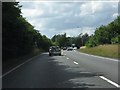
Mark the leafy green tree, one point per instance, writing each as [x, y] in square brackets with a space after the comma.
[115, 40]
[92, 41]
[102, 35]
[106, 34]
[18, 35]
[84, 38]
[60, 39]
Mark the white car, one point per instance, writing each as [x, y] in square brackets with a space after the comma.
[69, 49]
[74, 48]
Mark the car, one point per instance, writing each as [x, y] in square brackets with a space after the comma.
[74, 48]
[64, 48]
[69, 49]
[54, 50]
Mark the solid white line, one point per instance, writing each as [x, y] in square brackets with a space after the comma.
[100, 57]
[75, 62]
[17, 67]
[109, 81]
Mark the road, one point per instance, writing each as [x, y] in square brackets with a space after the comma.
[71, 70]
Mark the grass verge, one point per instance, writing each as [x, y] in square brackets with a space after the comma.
[111, 51]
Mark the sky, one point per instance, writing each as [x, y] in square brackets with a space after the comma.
[72, 18]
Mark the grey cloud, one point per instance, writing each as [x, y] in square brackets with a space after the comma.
[60, 17]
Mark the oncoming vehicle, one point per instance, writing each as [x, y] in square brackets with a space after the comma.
[74, 48]
[54, 50]
[69, 49]
[64, 48]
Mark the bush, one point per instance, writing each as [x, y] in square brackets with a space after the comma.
[115, 40]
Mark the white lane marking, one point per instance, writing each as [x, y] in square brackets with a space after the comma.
[109, 81]
[17, 67]
[67, 58]
[99, 57]
[75, 62]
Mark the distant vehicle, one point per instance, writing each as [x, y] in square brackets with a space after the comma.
[54, 50]
[74, 48]
[64, 48]
[69, 48]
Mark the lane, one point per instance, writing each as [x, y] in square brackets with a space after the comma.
[107, 68]
[41, 72]
[52, 72]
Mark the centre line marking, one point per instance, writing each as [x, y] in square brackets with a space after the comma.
[109, 81]
[75, 62]
[67, 58]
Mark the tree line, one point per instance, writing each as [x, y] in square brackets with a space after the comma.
[18, 36]
[63, 41]
[106, 34]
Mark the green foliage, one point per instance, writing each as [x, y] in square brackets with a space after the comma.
[102, 35]
[91, 42]
[62, 40]
[106, 34]
[85, 38]
[103, 50]
[18, 35]
[115, 40]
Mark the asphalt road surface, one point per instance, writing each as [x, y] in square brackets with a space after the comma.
[71, 70]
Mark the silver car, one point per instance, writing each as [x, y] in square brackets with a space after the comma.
[54, 50]
[69, 48]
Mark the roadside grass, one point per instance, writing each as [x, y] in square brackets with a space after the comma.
[9, 64]
[112, 51]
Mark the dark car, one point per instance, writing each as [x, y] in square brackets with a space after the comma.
[54, 50]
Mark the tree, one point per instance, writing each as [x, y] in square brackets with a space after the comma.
[18, 35]
[60, 39]
[85, 38]
[106, 34]
[92, 41]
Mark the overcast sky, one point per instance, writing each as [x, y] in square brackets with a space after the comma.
[73, 18]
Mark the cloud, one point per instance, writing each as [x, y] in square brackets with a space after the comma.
[58, 17]
[115, 15]
[90, 8]
[32, 12]
[76, 31]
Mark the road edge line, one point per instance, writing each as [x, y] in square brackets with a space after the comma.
[99, 56]
[109, 81]
[17, 67]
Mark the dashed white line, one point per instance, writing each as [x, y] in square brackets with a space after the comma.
[67, 58]
[109, 81]
[75, 62]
